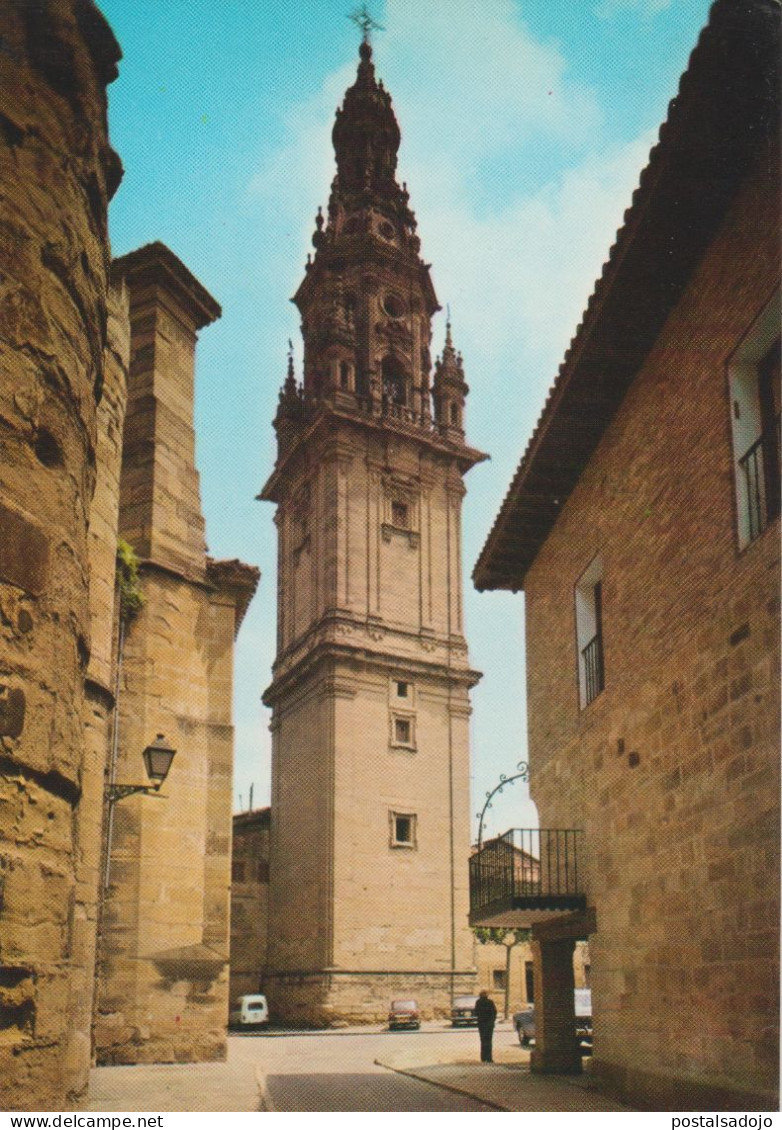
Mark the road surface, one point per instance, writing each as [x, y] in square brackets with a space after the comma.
[336, 1071]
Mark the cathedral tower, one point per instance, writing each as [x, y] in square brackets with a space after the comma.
[370, 694]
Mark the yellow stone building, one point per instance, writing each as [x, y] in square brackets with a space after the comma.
[370, 692]
[642, 525]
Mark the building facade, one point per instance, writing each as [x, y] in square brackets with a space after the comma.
[163, 969]
[249, 901]
[370, 775]
[643, 528]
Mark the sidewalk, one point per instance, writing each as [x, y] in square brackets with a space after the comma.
[150, 1088]
[506, 1084]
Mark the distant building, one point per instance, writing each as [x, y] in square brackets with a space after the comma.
[370, 693]
[249, 901]
[643, 527]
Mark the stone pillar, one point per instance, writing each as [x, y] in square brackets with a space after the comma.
[556, 1048]
[57, 173]
[164, 955]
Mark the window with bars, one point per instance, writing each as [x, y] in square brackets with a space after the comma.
[754, 378]
[589, 633]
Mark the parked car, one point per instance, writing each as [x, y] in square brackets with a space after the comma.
[524, 1021]
[463, 1011]
[249, 1011]
[404, 1014]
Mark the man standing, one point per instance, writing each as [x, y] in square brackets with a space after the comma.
[486, 1011]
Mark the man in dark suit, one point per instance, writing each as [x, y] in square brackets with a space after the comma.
[486, 1012]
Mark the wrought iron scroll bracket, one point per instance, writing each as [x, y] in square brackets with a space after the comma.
[522, 775]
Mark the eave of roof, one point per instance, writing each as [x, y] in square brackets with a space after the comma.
[727, 104]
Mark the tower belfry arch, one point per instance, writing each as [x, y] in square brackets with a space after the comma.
[370, 689]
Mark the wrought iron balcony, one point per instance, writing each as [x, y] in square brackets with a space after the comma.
[526, 875]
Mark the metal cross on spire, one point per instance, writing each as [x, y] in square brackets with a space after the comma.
[363, 19]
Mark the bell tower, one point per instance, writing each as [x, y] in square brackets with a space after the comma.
[370, 692]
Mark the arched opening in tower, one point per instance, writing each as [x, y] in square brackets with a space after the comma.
[394, 381]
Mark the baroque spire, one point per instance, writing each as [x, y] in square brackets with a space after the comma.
[450, 390]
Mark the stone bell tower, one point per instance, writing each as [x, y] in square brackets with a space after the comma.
[370, 695]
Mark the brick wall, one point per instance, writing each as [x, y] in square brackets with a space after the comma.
[673, 770]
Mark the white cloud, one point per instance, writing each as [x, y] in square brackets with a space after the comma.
[477, 81]
[516, 263]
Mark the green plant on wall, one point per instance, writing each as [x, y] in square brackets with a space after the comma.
[499, 934]
[131, 596]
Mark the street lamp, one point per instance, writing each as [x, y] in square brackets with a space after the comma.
[158, 757]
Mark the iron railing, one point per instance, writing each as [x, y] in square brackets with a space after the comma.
[760, 470]
[527, 869]
[594, 673]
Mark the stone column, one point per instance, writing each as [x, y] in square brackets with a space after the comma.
[556, 1048]
[57, 173]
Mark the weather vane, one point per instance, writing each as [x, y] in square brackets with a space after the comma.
[362, 18]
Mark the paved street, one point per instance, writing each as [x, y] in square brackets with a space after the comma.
[360, 1069]
[338, 1071]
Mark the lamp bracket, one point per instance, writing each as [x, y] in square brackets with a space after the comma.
[119, 792]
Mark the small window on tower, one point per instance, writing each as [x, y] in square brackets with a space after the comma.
[400, 515]
[403, 829]
[401, 690]
[402, 730]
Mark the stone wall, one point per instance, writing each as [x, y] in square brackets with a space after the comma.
[164, 954]
[56, 59]
[673, 770]
[370, 723]
[249, 901]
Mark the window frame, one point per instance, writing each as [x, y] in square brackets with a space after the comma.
[394, 842]
[754, 431]
[405, 717]
[589, 633]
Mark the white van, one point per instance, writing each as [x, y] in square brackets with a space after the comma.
[249, 1011]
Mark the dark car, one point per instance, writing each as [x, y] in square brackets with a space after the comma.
[404, 1014]
[524, 1021]
[463, 1011]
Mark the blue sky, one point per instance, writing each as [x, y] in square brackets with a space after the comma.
[525, 124]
